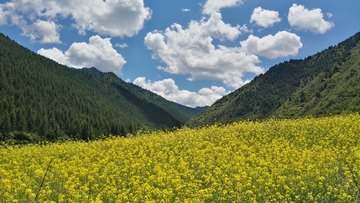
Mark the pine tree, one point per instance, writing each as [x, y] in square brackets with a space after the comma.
[44, 126]
[13, 121]
[6, 123]
[21, 121]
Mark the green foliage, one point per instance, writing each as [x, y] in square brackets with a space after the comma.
[321, 84]
[42, 100]
[147, 107]
[334, 91]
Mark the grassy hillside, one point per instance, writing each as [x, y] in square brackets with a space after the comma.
[320, 84]
[334, 91]
[42, 100]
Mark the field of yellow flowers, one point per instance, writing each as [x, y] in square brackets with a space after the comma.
[303, 160]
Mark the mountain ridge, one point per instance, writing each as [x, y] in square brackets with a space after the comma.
[267, 94]
[43, 100]
[136, 95]
[190, 110]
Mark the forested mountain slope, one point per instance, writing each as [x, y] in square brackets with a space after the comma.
[149, 108]
[42, 100]
[327, 82]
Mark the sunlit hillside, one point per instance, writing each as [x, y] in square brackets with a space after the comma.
[322, 84]
[303, 160]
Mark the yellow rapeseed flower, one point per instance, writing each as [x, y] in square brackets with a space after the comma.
[302, 160]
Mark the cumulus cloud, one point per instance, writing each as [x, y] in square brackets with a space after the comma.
[117, 18]
[212, 6]
[46, 31]
[264, 18]
[97, 53]
[170, 91]
[185, 10]
[56, 55]
[282, 44]
[190, 51]
[312, 20]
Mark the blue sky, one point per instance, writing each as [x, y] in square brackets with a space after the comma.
[191, 52]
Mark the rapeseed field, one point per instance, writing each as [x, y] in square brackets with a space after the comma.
[278, 160]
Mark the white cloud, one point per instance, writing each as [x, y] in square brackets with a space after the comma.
[185, 10]
[170, 91]
[3, 14]
[97, 53]
[312, 20]
[330, 15]
[244, 29]
[212, 6]
[264, 18]
[121, 45]
[55, 54]
[282, 44]
[46, 31]
[190, 51]
[112, 17]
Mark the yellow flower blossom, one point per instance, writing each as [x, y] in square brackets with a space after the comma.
[302, 160]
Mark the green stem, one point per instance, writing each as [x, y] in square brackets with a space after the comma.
[47, 169]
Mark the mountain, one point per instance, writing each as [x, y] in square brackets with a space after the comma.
[322, 84]
[149, 108]
[43, 100]
[189, 110]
